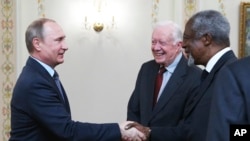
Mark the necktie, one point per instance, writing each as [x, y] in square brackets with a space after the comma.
[158, 83]
[204, 74]
[58, 83]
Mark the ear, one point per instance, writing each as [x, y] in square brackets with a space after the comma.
[179, 46]
[36, 44]
[207, 39]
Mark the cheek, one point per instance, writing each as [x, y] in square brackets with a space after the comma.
[170, 49]
[152, 47]
[170, 53]
[197, 53]
[194, 47]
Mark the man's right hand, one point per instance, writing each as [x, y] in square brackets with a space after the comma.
[145, 130]
[131, 134]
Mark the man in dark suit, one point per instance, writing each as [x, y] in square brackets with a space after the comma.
[179, 81]
[230, 101]
[40, 109]
[206, 42]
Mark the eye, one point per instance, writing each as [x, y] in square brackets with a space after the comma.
[154, 42]
[186, 37]
[60, 39]
[163, 43]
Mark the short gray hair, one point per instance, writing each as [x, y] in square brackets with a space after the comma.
[35, 30]
[211, 22]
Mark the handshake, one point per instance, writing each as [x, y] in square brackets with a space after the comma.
[133, 131]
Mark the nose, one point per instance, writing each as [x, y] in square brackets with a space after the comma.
[64, 46]
[156, 46]
[184, 45]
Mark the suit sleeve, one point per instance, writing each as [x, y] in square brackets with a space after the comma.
[167, 133]
[133, 109]
[52, 115]
[227, 106]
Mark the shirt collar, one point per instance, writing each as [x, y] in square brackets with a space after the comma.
[215, 58]
[50, 70]
[173, 65]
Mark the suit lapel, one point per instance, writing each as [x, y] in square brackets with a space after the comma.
[203, 88]
[173, 84]
[43, 72]
[63, 100]
[225, 59]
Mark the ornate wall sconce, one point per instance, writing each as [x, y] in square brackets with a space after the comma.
[98, 27]
[100, 19]
[98, 24]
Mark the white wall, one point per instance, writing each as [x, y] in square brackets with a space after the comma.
[100, 69]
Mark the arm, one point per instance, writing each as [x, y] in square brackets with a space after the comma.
[49, 113]
[133, 109]
[227, 106]
[176, 133]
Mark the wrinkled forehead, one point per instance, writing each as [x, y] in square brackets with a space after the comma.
[162, 33]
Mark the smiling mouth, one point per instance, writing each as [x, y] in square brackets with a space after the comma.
[159, 54]
[61, 53]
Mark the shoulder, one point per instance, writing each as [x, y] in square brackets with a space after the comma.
[149, 64]
[195, 68]
[241, 63]
[239, 67]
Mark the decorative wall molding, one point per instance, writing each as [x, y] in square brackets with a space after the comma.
[41, 8]
[7, 62]
[222, 7]
[155, 10]
[190, 7]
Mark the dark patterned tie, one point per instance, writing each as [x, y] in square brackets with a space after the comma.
[204, 74]
[158, 83]
[58, 83]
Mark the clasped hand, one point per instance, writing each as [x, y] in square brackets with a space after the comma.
[133, 131]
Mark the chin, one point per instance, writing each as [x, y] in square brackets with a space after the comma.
[158, 61]
[60, 61]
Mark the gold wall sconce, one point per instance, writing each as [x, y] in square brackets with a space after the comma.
[98, 27]
[98, 24]
[100, 18]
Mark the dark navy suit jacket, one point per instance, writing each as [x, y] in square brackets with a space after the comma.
[170, 107]
[38, 112]
[230, 101]
[197, 112]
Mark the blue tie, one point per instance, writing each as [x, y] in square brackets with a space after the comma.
[58, 83]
